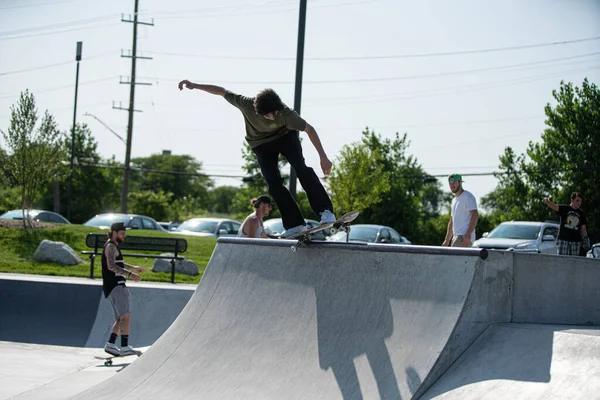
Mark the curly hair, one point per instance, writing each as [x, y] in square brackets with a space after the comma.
[267, 101]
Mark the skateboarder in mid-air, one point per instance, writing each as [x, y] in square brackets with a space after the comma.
[271, 130]
[114, 274]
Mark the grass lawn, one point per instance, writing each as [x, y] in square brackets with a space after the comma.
[18, 245]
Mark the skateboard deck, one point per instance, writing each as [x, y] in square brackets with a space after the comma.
[108, 360]
[342, 224]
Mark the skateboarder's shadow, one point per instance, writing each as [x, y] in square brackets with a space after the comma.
[354, 318]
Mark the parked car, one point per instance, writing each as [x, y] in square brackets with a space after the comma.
[371, 234]
[594, 252]
[209, 227]
[169, 226]
[274, 226]
[36, 215]
[131, 221]
[537, 237]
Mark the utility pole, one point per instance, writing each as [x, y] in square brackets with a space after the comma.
[133, 55]
[70, 192]
[298, 86]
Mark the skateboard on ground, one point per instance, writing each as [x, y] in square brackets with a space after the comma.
[342, 224]
[108, 360]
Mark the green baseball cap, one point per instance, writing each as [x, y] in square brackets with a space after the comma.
[454, 177]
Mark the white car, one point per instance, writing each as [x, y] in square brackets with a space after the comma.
[208, 227]
[527, 236]
[594, 252]
[371, 234]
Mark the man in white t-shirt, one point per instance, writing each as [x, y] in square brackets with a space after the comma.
[464, 215]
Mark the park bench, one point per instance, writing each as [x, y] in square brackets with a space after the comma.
[176, 246]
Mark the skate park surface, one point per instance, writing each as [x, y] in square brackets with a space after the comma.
[336, 320]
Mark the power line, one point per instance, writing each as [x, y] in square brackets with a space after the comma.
[407, 77]
[59, 25]
[38, 4]
[383, 57]
[101, 55]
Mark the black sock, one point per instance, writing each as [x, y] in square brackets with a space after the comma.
[124, 340]
[113, 338]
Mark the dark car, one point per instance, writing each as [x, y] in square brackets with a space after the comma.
[131, 221]
[370, 234]
[36, 215]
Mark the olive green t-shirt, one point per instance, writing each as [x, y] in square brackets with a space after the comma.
[260, 130]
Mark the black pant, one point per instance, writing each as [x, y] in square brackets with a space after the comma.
[289, 146]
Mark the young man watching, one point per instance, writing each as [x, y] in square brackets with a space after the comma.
[573, 223]
[463, 217]
[114, 275]
[271, 130]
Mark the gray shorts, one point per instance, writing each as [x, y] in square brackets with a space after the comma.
[119, 299]
[457, 241]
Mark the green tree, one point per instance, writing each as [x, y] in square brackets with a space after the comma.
[151, 203]
[32, 155]
[566, 160]
[96, 181]
[358, 180]
[220, 199]
[177, 174]
[414, 197]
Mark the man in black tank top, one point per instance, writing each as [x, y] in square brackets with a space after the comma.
[114, 275]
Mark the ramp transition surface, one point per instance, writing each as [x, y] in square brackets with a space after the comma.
[327, 322]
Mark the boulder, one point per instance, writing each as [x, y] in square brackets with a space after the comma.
[186, 267]
[58, 252]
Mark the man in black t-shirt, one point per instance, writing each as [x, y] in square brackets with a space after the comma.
[572, 225]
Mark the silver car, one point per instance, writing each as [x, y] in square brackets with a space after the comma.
[371, 234]
[526, 236]
[131, 221]
[36, 215]
[209, 227]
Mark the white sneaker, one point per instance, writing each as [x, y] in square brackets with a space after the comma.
[127, 351]
[112, 349]
[327, 217]
[293, 231]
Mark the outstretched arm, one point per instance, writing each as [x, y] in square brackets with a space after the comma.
[550, 204]
[314, 138]
[212, 89]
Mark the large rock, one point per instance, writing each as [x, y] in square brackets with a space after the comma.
[186, 267]
[58, 252]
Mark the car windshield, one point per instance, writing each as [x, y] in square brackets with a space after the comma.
[274, 225]
[17, 214]
[107, 220]
[198, 225]
[515, 231]
[357, 233]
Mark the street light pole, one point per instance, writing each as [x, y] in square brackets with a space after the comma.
[70, 202]
[298, 86]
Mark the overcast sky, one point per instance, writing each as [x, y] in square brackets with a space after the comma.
[464, 79]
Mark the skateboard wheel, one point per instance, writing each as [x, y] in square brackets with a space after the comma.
[294, 249]
[333, 231]
[107, 363]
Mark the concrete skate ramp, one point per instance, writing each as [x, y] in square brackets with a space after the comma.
[74, 312]
[330, 321]
[522, 361]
